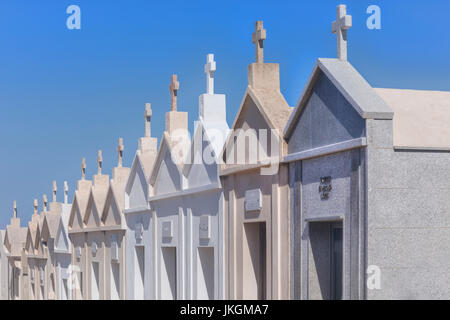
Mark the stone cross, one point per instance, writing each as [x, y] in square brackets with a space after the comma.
[66, 192]
[120, 152]
[257, 38]
[35, 206]
[44, 204]
[15, 209]
[83, 168]
[99, 162]
[174, 86]
[210, 67]
[55, 188]
[340, 26]
[148, 118]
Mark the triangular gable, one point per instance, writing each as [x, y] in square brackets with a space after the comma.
[251, 115]
[29, 244]
[327, 118]
[197, 169]
[6, 240]
[37, 241]
[61, 240]
[92, 215]
[112, 213]
[45, 232]
[76, 213]
[360, 95]
[137, 185]
[166, 176]
[264, 100]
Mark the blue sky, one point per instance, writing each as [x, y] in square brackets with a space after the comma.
[64, 94]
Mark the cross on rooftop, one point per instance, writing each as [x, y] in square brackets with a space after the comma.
[340, 26]
[66, 192]
[55, 188]
[15, 209]
[44, 200]
[83, 168]
[120, 149]
[257, 38]
[174, 86]
[210, 67]
[99, 162]
[148, 118]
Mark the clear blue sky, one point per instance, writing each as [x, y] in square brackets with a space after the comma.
[64, 94]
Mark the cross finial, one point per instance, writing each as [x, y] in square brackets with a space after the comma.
[15, 209]
[35, 206]
[174, 86]
[66, 192]
[210, 67]
[257, 38]
[83, 168]
[148, 118]
[99, 162]
[120, 149]
[54, 189]
[340, 26]
[44, 202]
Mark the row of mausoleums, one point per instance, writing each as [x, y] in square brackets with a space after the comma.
[344, 196]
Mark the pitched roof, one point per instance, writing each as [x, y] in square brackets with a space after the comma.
[97, 198]
[80, 200]
[51, 220]
[421, 118]
[165, 146]
[116, 191]
[273, 104]
[352, 86]
[16, 236]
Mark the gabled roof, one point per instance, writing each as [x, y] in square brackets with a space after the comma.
[63, 227]
[15, 238]
[165, 146]
[143, 161]
[203, 128]
[40, 223]
[356, 90]
[80, 200]
[97, 199]
[116, 193]
[31, 233]
[51, 220]
[265, 100]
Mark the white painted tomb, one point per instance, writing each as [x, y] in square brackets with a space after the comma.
[169, 217]
[255, 187]
[33, 285]
[14, 242]
[114, 228]
[202, 197]
[78, 238]
[95, 237]
[54, 233]
[139, 261]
